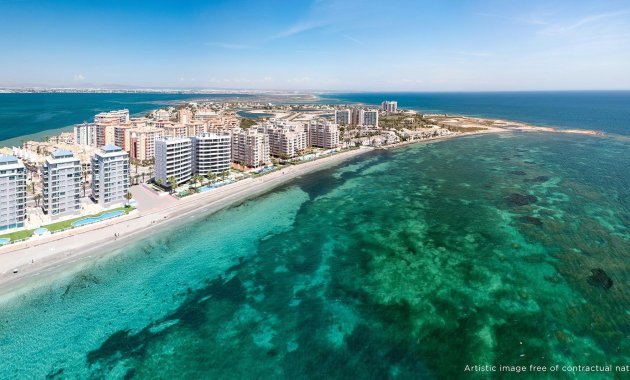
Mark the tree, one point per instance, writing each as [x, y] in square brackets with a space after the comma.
[37, 198]
[225, 174]
[128, 196]
[143, 177]
[172, 183]
[159, 182]
[211, 176]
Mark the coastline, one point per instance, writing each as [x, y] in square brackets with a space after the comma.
[44, 257]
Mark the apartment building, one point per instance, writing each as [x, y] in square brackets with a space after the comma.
[110, 175]
[173, 158]
[343, 117]
[250, 148]
[120, 116]
[62, 184]
[390, 106]
[211, 152]
[285, 140]
[85, 134]
[12, 193]
[370, 117]
[140, 142]
[322, 134]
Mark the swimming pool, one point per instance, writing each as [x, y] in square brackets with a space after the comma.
[4, 241]
[94, 219]
[40, 231]
[210, 187]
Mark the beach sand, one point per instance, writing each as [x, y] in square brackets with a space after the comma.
[45, 256]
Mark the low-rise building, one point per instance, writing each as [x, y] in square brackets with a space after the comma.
[173, 158]
[211, 153]
[61, 194]
[12, 193]
[110, 175]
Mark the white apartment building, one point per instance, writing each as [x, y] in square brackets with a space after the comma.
[342, 117]
[250, 148]
[162, 115]
[120, 116]
[211, 153]
[85, 134]
[205, 115]
[62, 184]
[110, 175]
[12, 193]
[173, 158]
[322, 134]
[370, 117]
[390, 106]
[285, 140]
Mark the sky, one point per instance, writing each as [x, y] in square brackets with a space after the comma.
[322, 45]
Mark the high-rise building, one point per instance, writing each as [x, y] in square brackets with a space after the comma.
[105, 134]
[162, 115]
[110, 175]
[173, 158]
[184, 116]
[370, 117]
[85, 134]
[390, 106]
[356, 116]
[342, 117]
[12, 193]
[285, 140]
[120, 116]
[250, 148]
[62, 184]
[140, 142]
[211, 152]
[322, 134]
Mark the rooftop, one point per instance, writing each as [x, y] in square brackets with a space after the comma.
[111, 148]
[7, 159]
[61, 153]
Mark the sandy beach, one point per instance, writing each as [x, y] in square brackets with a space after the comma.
[43, 257]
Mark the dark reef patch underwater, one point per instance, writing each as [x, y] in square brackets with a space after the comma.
[403, 264]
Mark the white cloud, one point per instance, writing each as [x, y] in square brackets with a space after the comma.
[79, 77]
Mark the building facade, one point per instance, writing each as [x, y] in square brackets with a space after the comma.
[120, 116]
[370, 117]
[173, 158]
[343, 117]
[250, 148]
[62, 184]
[110, 175]
[211, 153]
[12, 193]
[285, 140]
[141, 142]
[390, 106]
[322, 134]
[85, 134]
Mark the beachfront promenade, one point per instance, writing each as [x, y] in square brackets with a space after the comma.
[45, 255]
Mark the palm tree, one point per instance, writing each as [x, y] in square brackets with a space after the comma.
[143, 177]
[128, 196]
[159, 182]
[172, 183]
[37, 198]
[211, 176]
[225, 174]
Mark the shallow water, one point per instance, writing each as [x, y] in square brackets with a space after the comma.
[409, 263]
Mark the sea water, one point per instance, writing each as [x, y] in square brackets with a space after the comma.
[410, 263]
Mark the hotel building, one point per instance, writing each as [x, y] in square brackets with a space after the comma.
[12, 193]
[62, 184]
[211, 153]
[342, 117]
[110, 175]
[173, 158]
[320, 133]
[250, 148]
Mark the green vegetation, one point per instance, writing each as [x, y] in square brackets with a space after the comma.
[68, 223]
[18, 235]
[403, 121]
[453, 128]
[247, 122]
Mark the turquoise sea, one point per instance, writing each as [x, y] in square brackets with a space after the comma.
[402, 264]
[508, 249]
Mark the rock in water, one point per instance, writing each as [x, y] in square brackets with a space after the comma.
[539, 179]
[515, 199]
[600, 279]
[517, 172]
[532, 220]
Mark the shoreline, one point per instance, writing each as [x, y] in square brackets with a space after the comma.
[44, 257]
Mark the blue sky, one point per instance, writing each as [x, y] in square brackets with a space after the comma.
[318, 45]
